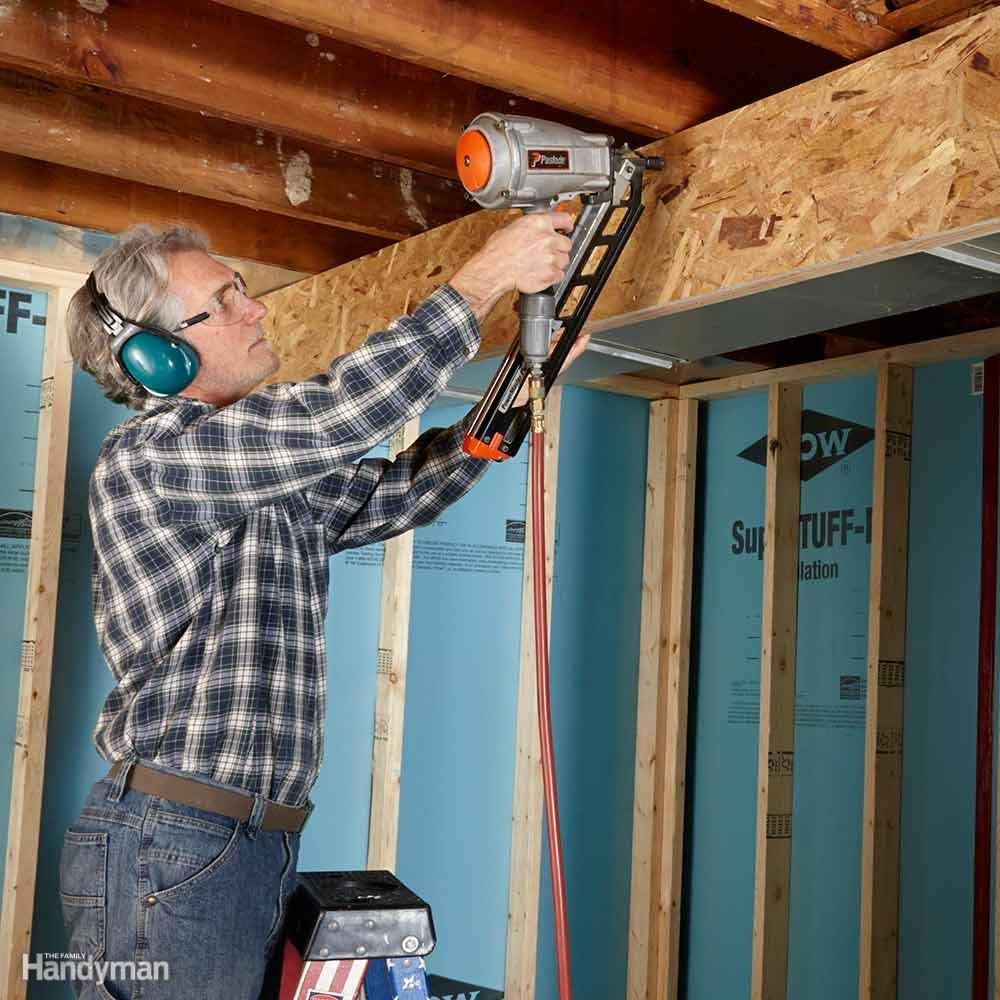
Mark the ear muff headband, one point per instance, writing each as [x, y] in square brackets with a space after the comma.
[154, 359]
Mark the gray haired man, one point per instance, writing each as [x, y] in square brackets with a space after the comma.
[214, 511]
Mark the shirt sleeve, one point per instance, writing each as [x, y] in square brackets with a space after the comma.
[286, 437]
[376, 498]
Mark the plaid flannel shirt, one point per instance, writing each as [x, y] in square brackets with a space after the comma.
[212, 531]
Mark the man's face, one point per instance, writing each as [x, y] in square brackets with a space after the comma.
[235, 357]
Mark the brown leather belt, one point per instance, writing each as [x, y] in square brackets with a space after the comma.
[226, 802]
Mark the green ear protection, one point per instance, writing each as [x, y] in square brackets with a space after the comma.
[154, 359]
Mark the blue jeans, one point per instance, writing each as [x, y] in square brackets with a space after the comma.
[146, 880]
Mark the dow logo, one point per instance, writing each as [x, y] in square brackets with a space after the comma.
[825, 441]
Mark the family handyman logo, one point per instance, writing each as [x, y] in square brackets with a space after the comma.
[825, 441]
[62, 968]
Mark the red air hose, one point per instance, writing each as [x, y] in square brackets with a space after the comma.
[987, 646]
[545, 713]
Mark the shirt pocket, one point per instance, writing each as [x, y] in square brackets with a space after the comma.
[83, 876]
[181, 851]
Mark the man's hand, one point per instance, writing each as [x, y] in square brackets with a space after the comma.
[527, 255]
[579, 346]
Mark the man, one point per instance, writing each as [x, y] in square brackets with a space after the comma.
[214, 512]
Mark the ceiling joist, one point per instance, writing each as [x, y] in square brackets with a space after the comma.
[924, 12]
[91, 201]
[882, 158]
[180, 150]
[203, 57]
[851, 35]
[649, 67]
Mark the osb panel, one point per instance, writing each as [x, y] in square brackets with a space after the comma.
[870, 162]
[313, 321]
[878, 159]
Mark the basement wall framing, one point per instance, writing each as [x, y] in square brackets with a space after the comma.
[658, 829]
[657, 858]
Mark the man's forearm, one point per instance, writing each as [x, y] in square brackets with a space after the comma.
[479, 290]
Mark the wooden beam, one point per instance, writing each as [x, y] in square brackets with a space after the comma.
[880, 159]
[922, 12]
[927, 352]
[390, 683]
[90, 201]
[39, 634]
[886, 669]
[775, 767]
[205, 58]
[819, 23]
[662, 711]
[656, 68]
[956, 16]
[148, 143]
[526, 825]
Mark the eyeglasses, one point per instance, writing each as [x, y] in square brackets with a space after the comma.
[229, 305]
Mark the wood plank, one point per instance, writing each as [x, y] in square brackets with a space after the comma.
[640, 386]
[151, 144]
[886, 670]
[928, 352]
[880, 159]
[526, 822]
[819, 23]
[886, 157]
[390, 683]
[253, 70]
[775, 760]
[922, 12]
[38, 640]
[88, 200]
[956, 16]
[650, 738]
[663, 960]
[656, 67]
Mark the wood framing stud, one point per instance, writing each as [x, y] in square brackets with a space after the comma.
[927, 352]
[526, 824]
[886, 670]
[38, 640]
[390, 683]
[650, 738]
[775, 761]
[671, 710]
